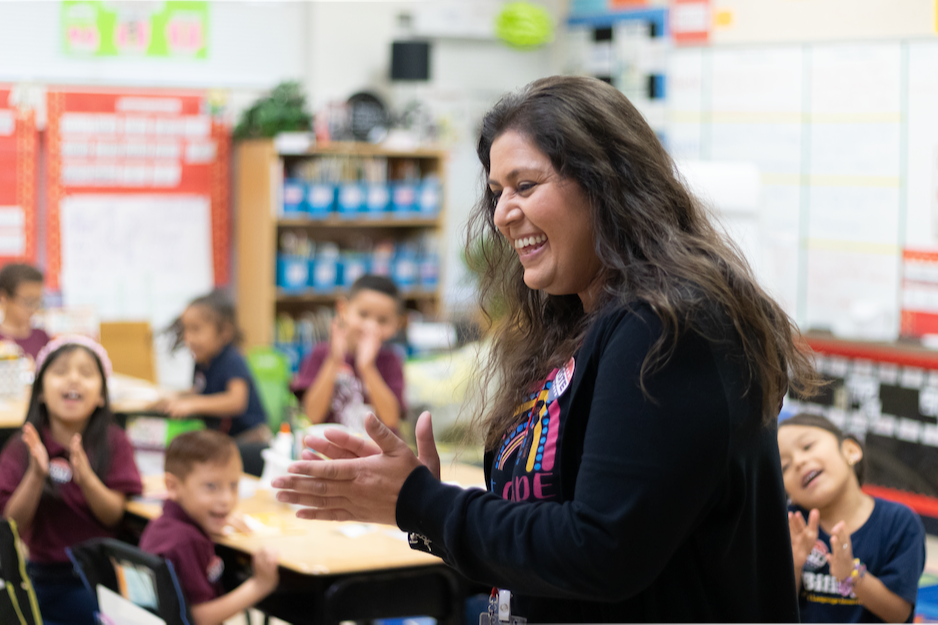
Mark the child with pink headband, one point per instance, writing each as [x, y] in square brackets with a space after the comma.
[65, 477]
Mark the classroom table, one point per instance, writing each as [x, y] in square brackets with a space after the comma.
[330, 572]
[127, 396]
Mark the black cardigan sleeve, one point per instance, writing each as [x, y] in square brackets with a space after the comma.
[649, 470]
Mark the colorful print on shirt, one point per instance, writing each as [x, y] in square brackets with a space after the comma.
[348, 399]
[817, 584]
[526, 464]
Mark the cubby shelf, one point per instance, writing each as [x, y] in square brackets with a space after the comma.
[258, 223]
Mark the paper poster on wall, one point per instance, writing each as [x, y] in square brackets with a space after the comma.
[18, 143]
[137, 143]
[135, 257]
[135, 29]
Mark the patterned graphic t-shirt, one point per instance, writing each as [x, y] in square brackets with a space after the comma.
[526, 466]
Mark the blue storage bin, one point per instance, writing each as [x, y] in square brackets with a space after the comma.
[294, 198]
[377, 200]
[429, 271]
[405, 272]
[325, 274]
[354, 266]
[351, 200]
[320, 199]
[428, 200]
[292, 272]
[404, 199]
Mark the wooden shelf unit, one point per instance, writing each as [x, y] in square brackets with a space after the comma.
[259, 173]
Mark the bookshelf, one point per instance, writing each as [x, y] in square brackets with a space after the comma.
[260, 223]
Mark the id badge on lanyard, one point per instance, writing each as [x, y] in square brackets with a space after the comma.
[500, 610]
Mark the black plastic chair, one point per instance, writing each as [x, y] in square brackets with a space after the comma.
[18, 605]
[95, 561]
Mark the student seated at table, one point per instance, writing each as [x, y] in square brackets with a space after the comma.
[203, 469]
[222, 384]
[355, 372]
[65, 477]
[20, 298]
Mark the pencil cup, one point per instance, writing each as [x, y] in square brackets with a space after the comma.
[377, 201]
[320, 199]
[292, 272]
[294, 199]
[403, 199]
[351, 200]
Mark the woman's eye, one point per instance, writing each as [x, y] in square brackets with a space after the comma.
[524, 187]
[808, 446]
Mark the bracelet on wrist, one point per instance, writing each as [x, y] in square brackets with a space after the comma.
[848, 583]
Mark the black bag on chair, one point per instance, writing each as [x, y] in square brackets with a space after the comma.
[18, 604]
[101, 560]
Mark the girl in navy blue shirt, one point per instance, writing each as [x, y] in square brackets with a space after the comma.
[222, 386]
[858, 559]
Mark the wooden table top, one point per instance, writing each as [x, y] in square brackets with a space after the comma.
[314, 547]
[127, 394]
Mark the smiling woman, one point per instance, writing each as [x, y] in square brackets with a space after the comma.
[631, 460]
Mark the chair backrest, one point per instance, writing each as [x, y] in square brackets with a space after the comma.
[272, 376]
[143, 578]
[129, 345]
[18, 604]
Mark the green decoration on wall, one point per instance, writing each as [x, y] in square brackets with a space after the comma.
[524, 25]
[93, 28]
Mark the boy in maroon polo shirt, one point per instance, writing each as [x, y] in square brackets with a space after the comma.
[356, 372]
[203, 469]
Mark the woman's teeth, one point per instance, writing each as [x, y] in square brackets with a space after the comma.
[529, 241]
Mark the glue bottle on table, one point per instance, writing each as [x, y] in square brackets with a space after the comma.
[283, 443]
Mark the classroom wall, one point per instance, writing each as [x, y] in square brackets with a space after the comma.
[252, 46]
[846, 139]
[775, 21]
[349, 50]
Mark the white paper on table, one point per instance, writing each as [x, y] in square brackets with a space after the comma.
[120, 611]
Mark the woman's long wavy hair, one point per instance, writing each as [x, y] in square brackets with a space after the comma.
[654, 241]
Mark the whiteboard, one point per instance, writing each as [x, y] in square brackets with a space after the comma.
[141, 257]
[845, 136]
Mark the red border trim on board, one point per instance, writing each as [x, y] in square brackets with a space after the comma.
[922, 504]
[875, 352]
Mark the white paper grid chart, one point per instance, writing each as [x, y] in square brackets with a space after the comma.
[136, 257]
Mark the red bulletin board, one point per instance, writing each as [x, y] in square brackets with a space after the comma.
[18, 178]
[131, 142]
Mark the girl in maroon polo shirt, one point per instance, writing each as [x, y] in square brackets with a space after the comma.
[65, 478]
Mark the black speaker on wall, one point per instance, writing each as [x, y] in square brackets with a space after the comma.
[410, 60]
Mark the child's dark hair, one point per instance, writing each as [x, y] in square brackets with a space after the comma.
[15, 274]
[198, 447]
[381, 284]
[220, 307]
[95, 436]
[817, 421]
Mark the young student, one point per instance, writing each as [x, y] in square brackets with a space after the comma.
[20, 298]
[222, 383]
[857, 558]
[355, 372]
[202, 473]
[65, 477]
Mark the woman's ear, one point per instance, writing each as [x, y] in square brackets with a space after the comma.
[851, 451]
